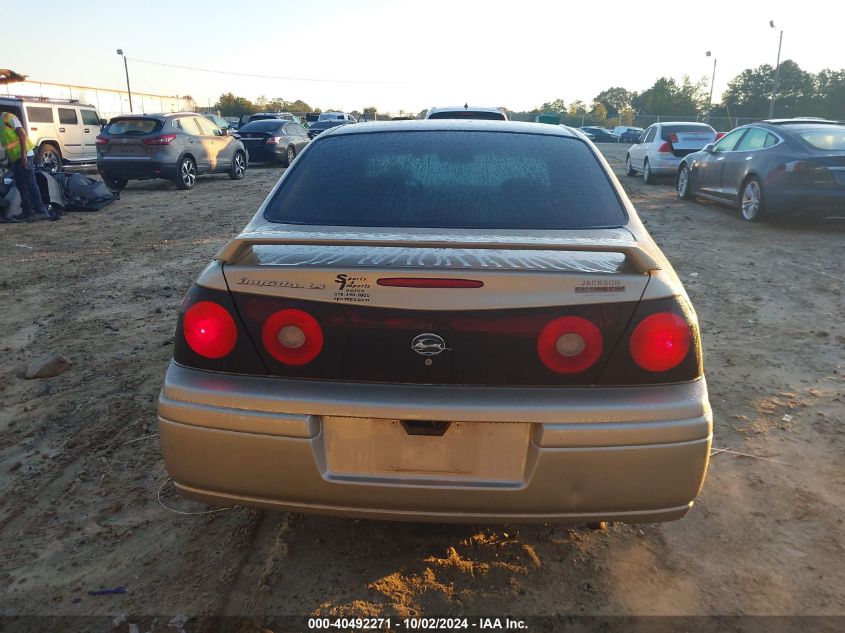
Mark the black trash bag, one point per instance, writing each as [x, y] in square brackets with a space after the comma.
[51, 190]
[81, 193]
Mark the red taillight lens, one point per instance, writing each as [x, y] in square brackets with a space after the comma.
[102, 140]
[209, 329]
[165, 139]
[665, 148]
[660, 341]
[719, 135]
[292, 337]
[273, 140]
[570, 344]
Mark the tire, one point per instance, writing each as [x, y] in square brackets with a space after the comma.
[186, 173]
[49, 154]
[629, 167]
[682, 183]
[238, 170]
[115, 184]
[751, 200]
[290, 154]
[648, 177]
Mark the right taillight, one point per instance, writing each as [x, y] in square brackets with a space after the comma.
[292, 336]
[660, 342]
[660, 345]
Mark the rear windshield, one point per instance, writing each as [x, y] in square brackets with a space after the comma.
[677, 129]
[448, 179]
[469, 114]
[263, 125]
[132, 126]
[830, 138]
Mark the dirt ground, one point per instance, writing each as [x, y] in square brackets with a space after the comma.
[80, 463]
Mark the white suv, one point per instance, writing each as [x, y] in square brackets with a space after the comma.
[62, 130]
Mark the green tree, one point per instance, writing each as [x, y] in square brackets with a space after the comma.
[749, 93]
[553, 107]
[614, 100]
[230, 105]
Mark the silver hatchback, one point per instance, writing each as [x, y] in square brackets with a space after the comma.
[659, 150]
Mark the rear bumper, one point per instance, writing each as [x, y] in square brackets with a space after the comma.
[661, 164]
[265, 153]
[132, 169]
[811, 200]
[623, 454]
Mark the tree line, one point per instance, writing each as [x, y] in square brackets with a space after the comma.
[799, 93]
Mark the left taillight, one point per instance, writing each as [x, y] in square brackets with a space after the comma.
[164, 139]
[102, 140]
[665, 148]
[210, 329]
[209, 335]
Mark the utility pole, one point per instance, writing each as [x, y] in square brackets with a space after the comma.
[126, 68]
[777, 73]
[712, 81]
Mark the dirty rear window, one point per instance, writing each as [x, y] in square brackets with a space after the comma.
[132, 126]
[448, 179]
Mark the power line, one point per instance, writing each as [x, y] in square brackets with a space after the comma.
[226, 72]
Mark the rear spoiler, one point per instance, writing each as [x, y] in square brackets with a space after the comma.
[232, 252]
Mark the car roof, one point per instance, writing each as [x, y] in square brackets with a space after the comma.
[801, 121]
[454, 125]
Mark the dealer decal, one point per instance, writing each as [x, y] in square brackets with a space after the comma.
[354, 289]
[599, 285]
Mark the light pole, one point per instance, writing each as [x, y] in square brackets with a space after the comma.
[712, 80]
[126, 67]
[777, 73]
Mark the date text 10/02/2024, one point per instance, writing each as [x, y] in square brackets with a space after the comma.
[436, 624]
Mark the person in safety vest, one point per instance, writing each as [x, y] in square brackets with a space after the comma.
[19, 154]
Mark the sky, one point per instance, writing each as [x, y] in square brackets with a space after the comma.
[399, 55]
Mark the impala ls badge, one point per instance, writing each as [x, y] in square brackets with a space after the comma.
[428, 344]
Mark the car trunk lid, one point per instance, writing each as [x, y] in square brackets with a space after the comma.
[438, 309]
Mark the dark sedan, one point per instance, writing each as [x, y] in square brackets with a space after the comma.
[600, 135]
[272, 140]
[776, 167]
[321, 126]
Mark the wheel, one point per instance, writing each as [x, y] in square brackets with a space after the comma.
[115, 184]
[751, 203]
[648, 176]
[289, 155]
[238, 167]
[629, 167]
[186, 175]
[682, 183]
[49, 157]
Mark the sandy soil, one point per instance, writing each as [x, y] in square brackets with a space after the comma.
[80, 464]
